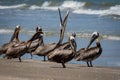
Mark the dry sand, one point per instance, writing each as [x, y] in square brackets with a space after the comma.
[39, 70]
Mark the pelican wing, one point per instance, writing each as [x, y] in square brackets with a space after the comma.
[16, 51]
[65, 45]
[88, 54]
[61, 56]
[4, 47]
[44, 49]
[33, 46]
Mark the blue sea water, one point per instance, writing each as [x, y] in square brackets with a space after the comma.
[86, 16]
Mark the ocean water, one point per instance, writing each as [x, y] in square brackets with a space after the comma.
[86, 16]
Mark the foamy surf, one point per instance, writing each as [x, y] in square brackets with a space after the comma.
[76, 7]
[65, 5]
[72, 4]
[12, 6]
[53, 33]
[114, 10]
[5, 31]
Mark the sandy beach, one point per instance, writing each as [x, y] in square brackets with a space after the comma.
[39, 70]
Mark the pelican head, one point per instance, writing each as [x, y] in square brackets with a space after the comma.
[36, 36]
[38, 29]
[17, 28]
[94, 36]
[74, 34]
[73, 41]
[15, 34]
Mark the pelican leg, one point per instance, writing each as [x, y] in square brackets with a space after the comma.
[44, 58]
[88, 64]
[31, 55]
[20, 59]
[4, 56]
[63, 65]
[91, 64]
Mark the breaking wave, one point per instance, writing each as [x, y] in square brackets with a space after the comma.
[65, 5]
[13, 6]
[5, 31]
[114, 10]
[75, 7]
[104, 36]
[53, 33]
[72, 4]
[78, 8]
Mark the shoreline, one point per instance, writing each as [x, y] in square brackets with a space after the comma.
[38, 70]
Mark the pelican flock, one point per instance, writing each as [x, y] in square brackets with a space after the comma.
[60, 52]
[45, 49]
[18, 50]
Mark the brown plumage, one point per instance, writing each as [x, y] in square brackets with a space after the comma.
[90, 54]
[35, 44]
[20, 49]
[45, 49]
[13, 41]
[61, 55]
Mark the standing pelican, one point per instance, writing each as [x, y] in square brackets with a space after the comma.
[61, 55]
[20, 49]
[14, 39]
[45, 49]
[35, 44]
[90, 54]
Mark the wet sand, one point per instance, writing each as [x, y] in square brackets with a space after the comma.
[39, 70]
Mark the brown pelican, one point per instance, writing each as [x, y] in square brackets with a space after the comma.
[14, 40]
[90, 54]
[45, 49]
[20, 49]
[61, 55]
[15, 34]
[35, 44]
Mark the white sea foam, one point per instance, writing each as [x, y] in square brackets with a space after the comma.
[114, 10]
[34, 7]
[46, 4]
[12, 6]
[109, 37]
[50, 8]
[78, 8]
[106, 37]
[65, 5]
[72, 4]
[75, 6]
[82, 35]
[5, 31]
